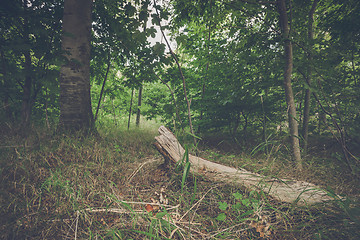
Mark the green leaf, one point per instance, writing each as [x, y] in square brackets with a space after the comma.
[143, 16]
[193, 135]
[223, 206]
[185, 174]
[236, 206]
[160, 215]
[221, 217]
[246, 202]
[159, 48]
[130, 10]
[237, 195]
[181, 39]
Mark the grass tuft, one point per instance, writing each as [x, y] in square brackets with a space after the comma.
[114, 186]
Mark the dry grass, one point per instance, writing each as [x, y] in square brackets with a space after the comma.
[99, 187]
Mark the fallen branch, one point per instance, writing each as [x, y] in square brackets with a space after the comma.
[113, 210]
[284, 190]
[139, 168]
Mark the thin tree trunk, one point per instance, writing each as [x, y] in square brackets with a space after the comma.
[75, 100]
[46, 109]
[207, 72]
[182, 76]
[245, 124]
[26, 100]
[291, 108]
[6, 105]
[114, 114]
[322, 121]
[173, 96]
[103, 87]
[131, 102]
[264, 125]
[138, 114]
[307, 100]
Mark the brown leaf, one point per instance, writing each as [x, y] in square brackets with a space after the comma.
[149, 208]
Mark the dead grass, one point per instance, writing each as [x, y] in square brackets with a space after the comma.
[99, 187]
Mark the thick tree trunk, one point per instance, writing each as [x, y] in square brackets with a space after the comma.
[285, 190]
[138, 114]
[307, 100]
[75, 102]
[290, 101]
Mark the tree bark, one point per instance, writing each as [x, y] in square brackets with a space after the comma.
[138, 114]
[46, 109]
[285, 190]
[26, 100]
[307, 100]
[206, 75]
[102, 88]
[114, 114]
[290, 101]
[75, 101]
[130, 110]
[6, 104]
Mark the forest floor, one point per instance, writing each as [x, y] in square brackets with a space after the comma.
[115, 186]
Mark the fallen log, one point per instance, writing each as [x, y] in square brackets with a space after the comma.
[284, 190]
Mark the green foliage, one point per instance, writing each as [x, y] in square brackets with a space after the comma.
[30, 49]
[230, 53]
[242, 207]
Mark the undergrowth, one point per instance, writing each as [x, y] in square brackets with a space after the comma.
[114, 185]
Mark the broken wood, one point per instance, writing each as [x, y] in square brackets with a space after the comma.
[284, 190]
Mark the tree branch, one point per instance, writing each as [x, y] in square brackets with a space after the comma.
[181, 73]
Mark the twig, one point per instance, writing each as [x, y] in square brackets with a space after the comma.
[138, 169]
[117, 210]
[194, 230]
[156, 204]
[195, 204]
[113, 210]
[177, 228]
[226, 229]
[76, 225]
[173, 232]
[17, 146]
[188, 223]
